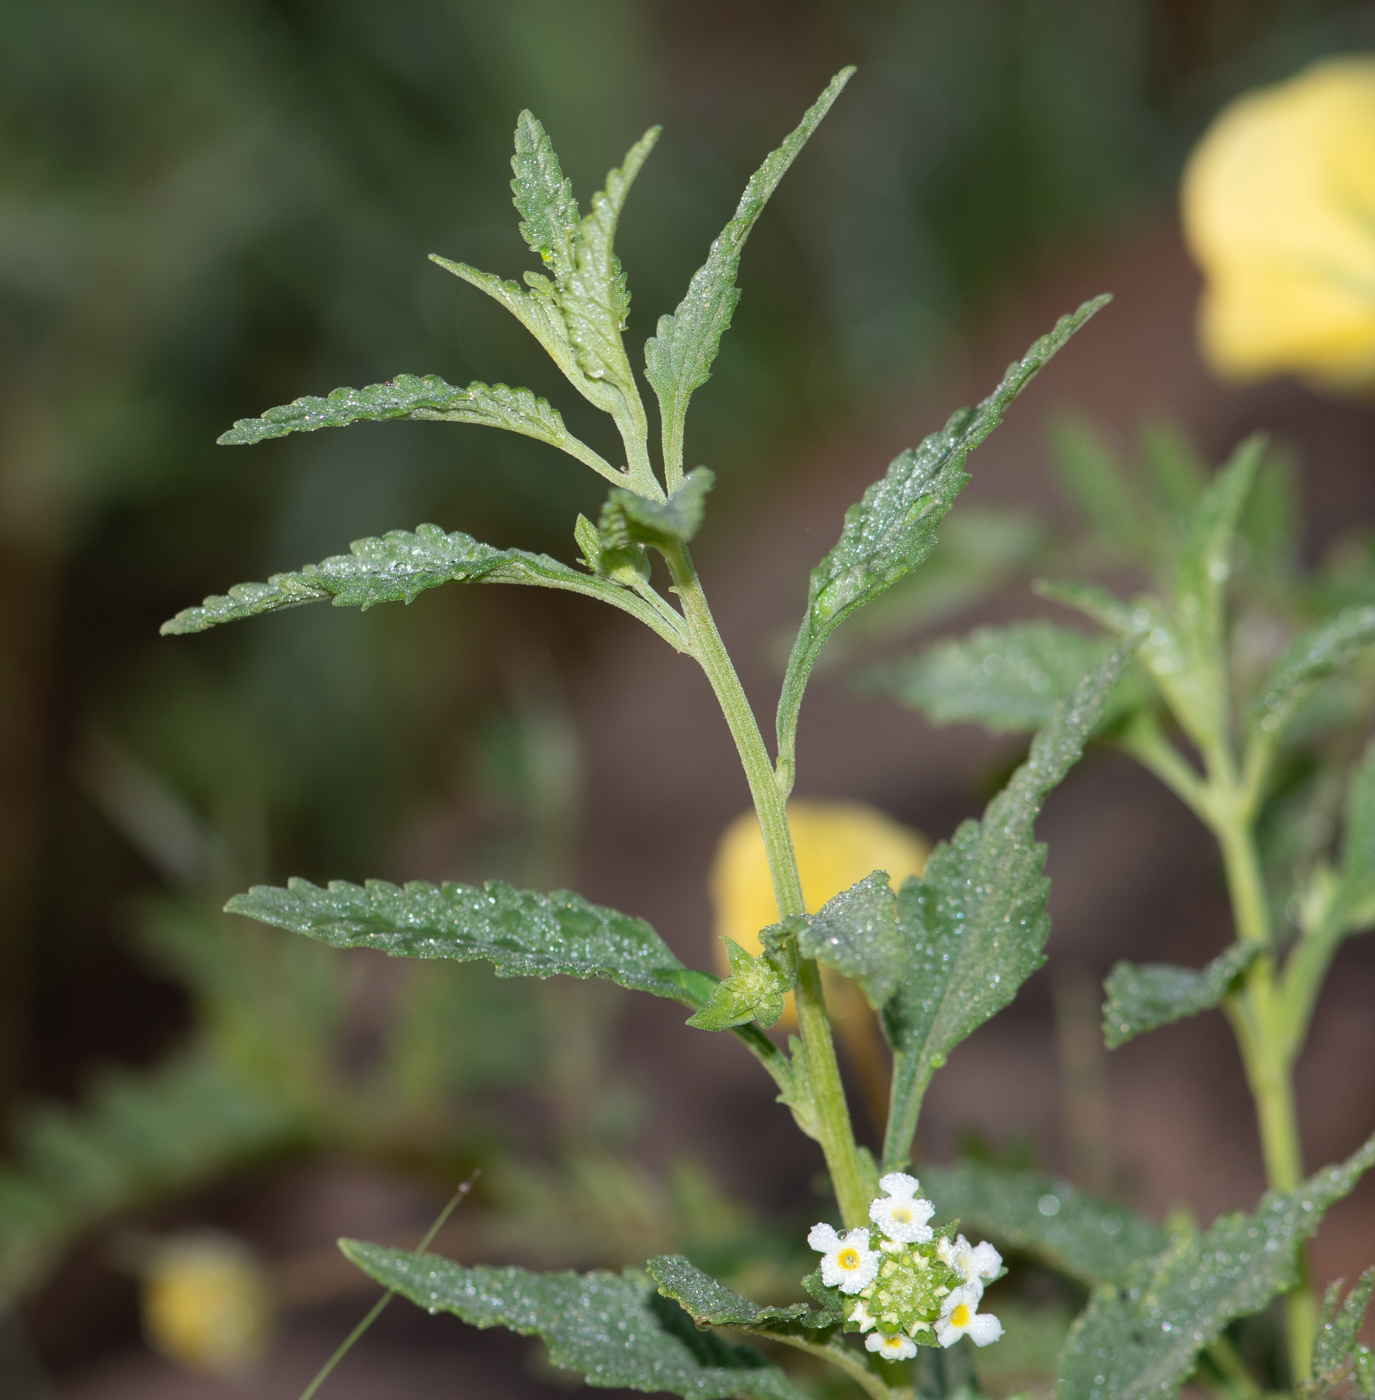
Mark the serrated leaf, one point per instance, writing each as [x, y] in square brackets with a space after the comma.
[678, 357]
[628, 519]
[712, 1304]
[397, 568]
[1142, 1338]
[892, 528]
[1091, 475]
[614, 1330]
[1009, 679]
[856, 932]
[1141, 998]
[975, 924]
[1338, 1338]
[1092, 1240]
[754, 991]
[422, 397]
[522, 933]
[1314, 654]
[550, 219]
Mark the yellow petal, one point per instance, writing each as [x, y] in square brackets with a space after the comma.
[1278, 204]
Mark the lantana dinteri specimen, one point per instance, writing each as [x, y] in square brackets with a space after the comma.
[1278, 205]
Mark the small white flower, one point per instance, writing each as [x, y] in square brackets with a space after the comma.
[902, 1216]
[977, 1263]
[894, 1348]
[847, 1261]
[958, 1319]
[864, 1317]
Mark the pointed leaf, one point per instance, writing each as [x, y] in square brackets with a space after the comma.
[1143, 1338]
[679, 355]
[712, 1304]
[397, 568]
[1142, 998]
[754, 991]
[1091, 475]
[1357, 892]
[1009, 679]
[1336, 1345]
[427, 398]
[1093, 1241]
[614, 1330]
[549, 214]
[892, 528]
[628, 519]
[522, 933]
[856, 932]
[975, 924]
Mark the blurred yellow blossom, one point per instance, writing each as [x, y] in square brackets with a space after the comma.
[1278, 203]
[206, 1303]
[836, 843]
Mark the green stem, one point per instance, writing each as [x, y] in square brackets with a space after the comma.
[832, 1111]
[843, 1359]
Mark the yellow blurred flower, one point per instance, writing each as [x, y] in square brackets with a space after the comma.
[836, 843]
[1278, 203]
[206, 1303]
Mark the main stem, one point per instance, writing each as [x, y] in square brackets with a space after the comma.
[832, 1110]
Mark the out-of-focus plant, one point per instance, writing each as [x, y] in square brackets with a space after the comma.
[1279, 209]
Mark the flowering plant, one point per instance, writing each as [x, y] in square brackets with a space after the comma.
[933, 959]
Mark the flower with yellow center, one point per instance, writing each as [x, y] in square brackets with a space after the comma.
[891, 1348]
[1278, 204]
[959, 1319]
[847, 1262]
[206, 1303]
[836, 843]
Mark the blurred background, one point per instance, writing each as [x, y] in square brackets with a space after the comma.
[209, 210]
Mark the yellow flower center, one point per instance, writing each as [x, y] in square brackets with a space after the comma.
[960, 1315]
[848, 1258]
[902, 1214]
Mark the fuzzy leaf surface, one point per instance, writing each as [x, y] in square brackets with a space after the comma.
[550, 219]
[1337, 1347]
[1143, 1337]
[856, 932]
[522, 933]
[629, 519]
[892, 528]
[678, 357]
[1008, 679]
[614, 1330]
[1141, 998]
[1093, 1241]
[975, 924]
[1315, 654]
[711, 1304]
[754, 991]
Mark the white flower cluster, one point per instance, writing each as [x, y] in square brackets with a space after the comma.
[916, 1280]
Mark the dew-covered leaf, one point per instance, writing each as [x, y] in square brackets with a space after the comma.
[712, 1304]
[1092, 1240]
[754, 991]
[1315, 653]
[856, 932]
[550, 219]
[1009, 679]
[629, 519]
[1142, 997]
[1337, 1348]
[521, 932]
[614, 1330]
[678, 357]
[397, 568]
[975, 924]
[425, 397]
[892, 528]
[1141, 1338]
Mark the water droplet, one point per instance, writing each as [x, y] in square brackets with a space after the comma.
[1049, 1205]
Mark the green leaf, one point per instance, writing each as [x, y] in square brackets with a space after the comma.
[1091, 474]
[1142, 998]
[397, 568]
[614, 1330]
[550, 219]
[856, 932]
[1357, 891]
[1092, 1240]
[1141, 1339]
[628, 519]
[892, 528]
[712, 1304]
[678, 357]
[754, 991]
[1009, 679]
[1337, 1345]
[975, 924]
[522, 933]
[1314, 654]
[426, 398]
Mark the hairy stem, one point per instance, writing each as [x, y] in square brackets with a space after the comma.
[841, 1357]
[832, 1110]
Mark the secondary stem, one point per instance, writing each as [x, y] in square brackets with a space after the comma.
[832, 1110]
[842, 1358]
